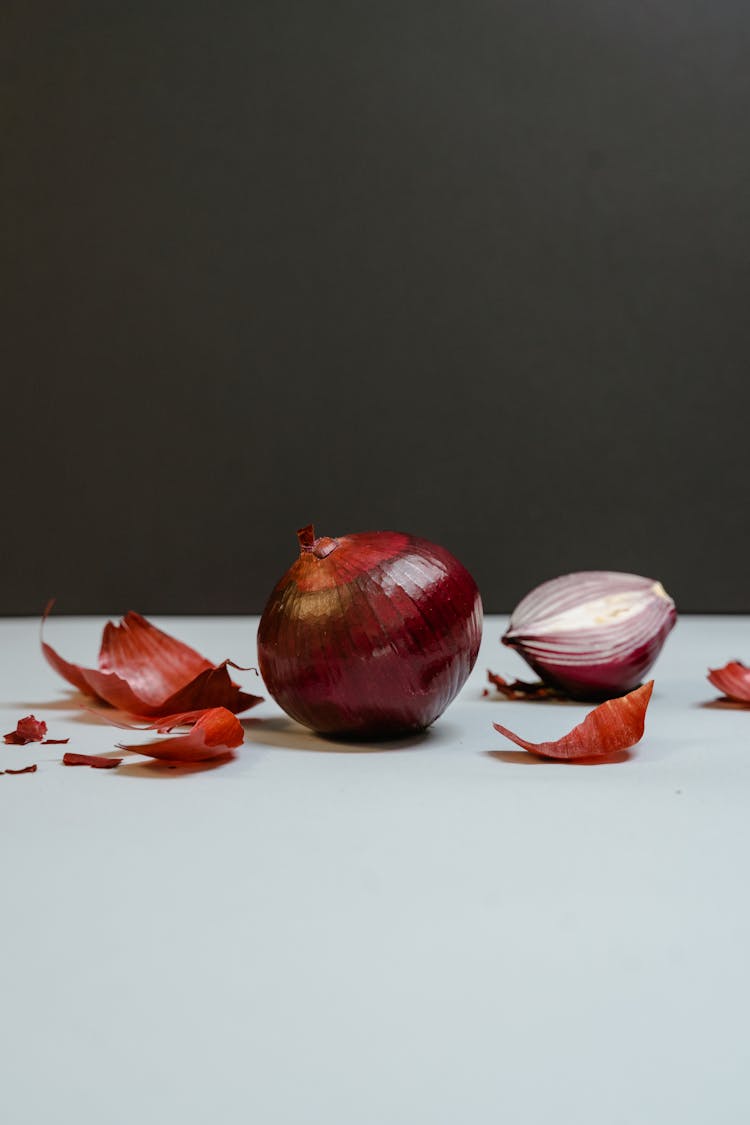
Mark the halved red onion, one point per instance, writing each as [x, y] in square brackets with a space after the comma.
[369, 635]
[594, 633]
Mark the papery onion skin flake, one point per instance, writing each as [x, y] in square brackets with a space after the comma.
[216, 734]
[370, 635]
[96, 761]
[148, 673]
[27, 730]
[523, 690]
[733, 681]
[594, 634]
[612, 727]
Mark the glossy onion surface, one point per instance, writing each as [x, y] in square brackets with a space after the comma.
[369, 635]
[595, 633]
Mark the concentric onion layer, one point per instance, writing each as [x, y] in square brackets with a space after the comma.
[595, 633]
[372, 637]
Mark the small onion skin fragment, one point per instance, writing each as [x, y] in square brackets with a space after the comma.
[613, 726]
[521, 689]
[215, 735]
[27, 730]
[31, 730]
[593, 634]
[370, 635]
[733, 681]
[96, 761]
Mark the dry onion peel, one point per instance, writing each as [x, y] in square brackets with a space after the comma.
[24, 769]
[613, 726]
[31, 730]
[27, 730]
[215, 735]
[96, 761]
[522, 689]
[163, 725]
[149, 673]
[733, 680]
[593, 634]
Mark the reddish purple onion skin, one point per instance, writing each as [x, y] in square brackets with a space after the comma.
[623, 622]
[369, 635]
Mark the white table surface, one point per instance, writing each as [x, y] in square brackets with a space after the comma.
[319, 935]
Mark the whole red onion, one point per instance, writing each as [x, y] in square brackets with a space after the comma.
[369, 635]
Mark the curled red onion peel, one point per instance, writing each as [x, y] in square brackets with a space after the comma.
[612, 727]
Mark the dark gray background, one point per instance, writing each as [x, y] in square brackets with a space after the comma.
[476, 270]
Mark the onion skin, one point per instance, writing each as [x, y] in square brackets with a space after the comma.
[369, 635]
[150, 674]
[733, 680]
[593, 634]
[610, 729]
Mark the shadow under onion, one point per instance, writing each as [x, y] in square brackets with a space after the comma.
[285, 734]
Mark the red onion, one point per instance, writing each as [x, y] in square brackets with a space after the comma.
[369, 635]
[595, 633]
